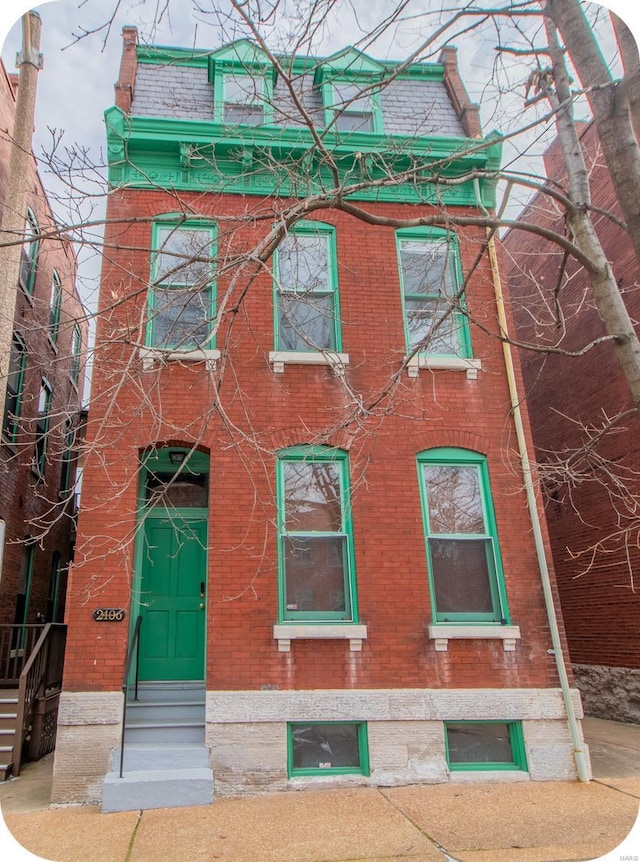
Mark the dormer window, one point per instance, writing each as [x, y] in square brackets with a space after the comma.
[353, 109]
[244, 99]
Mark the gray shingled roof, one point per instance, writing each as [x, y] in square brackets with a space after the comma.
[184, 93]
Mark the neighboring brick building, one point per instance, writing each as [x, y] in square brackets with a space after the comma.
[278, 441]
[44, 400]
[599, 593]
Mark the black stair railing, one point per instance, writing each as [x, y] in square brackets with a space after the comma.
[134, 650]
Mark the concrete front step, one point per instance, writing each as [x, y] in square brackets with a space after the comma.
[158, 777]
[169, 691]
[176, 788]
[176, 710]
[167, 732]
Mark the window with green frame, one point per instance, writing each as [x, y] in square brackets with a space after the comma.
[76, 354]
[42, 426]
[245, 99]
[182, 296]
[485, 745]
[29, 253]
[351, 107]
[15, 387]
[430, 277]
[463, 557]
[307, 313]
[327, 748]
[55, 304]
[315, 536]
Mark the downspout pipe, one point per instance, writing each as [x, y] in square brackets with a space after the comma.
[579, 751]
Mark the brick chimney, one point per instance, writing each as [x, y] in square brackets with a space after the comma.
[468, 112]
[126, 82]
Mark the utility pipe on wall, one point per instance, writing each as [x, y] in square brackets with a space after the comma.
[579, 752]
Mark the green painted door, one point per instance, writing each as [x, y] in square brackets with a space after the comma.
[172, 601]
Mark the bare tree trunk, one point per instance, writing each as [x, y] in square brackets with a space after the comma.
[609, 107]
[631, 62]
[605, 290]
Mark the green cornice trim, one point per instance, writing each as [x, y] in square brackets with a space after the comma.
[147, 152]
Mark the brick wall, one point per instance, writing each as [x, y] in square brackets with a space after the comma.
[600, 605]
[253, 414]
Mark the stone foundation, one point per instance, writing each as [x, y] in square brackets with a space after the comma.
[246, 734]
[609, 692]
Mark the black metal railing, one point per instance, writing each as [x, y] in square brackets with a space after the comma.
[41, 676]
[134, 650]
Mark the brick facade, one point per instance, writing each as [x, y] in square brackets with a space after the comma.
[241, 412]
[600, 604]
[30, 504]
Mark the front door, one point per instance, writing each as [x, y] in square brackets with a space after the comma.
[172, 599]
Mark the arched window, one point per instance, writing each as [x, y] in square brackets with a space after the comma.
[29, 255]
[315, 535]
[463, 557]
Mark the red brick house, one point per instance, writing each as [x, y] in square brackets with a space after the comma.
[44, 401]
[595, 553]
[300, 512]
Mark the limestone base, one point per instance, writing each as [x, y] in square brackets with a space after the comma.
[246, 735]
[609, 692]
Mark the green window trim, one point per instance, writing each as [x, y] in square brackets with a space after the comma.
[42, 427]
[518, 758]
[55, 305]
[306, 547]
[68, 457]
[454, 330]
[232, 95]
[468, 473]
[29, 253]
[361, 738]
[76, 355]
[176, 277]
[15, 388]
[295, 337]
[346, 105]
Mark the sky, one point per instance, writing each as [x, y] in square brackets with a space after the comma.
[76, 86]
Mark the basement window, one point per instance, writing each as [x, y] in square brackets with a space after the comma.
[332, 748]
[486, 745]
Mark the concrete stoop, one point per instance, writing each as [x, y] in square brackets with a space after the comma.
[158, 776]
[166, 763]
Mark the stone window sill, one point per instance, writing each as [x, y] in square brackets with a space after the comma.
[337, 361]
[443, 363]
[354, 633]
[150, 355]
[442, 634]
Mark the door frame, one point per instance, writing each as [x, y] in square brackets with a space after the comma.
[195, 462]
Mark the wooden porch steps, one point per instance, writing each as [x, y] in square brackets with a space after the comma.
[8, 720]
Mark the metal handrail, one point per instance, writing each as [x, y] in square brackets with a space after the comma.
[134, 645]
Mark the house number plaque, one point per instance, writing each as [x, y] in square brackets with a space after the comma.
[109, 615]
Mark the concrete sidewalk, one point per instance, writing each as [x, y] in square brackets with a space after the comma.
[468, 822]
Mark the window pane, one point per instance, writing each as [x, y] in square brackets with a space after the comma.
[479, 743]
[248, 115]
[312, 497]
[453, 498]
[429, 324]
[426, 267]
[354, 121]
[325, 746]
[180, 317]
[242, 89]
[178, 248]
[351, 95]
[461, 571]
[183, 492]
[303, 263]
[315, 573]
[306, 323]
